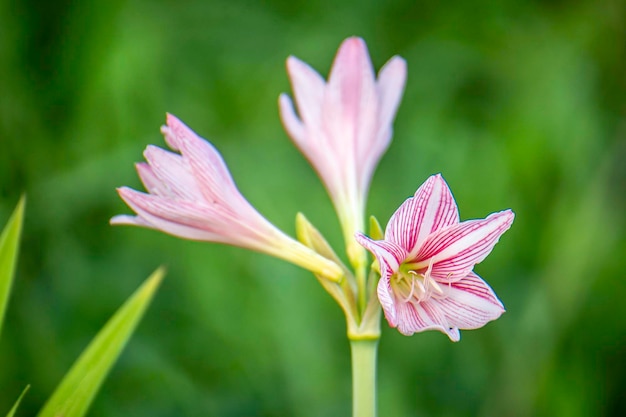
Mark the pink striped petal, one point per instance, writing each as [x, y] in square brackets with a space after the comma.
[414, 317]
[244, 227]
[172, 172]
[161, 214]
[387, 300]
[209, 169]
[455, 250]
[159, 211]
[388, 254]
[431, 209]
[171, 137]
[151, 183]
[174, 229]
[470, 303]
[215, 222]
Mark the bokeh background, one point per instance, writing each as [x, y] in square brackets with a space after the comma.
[519, 104]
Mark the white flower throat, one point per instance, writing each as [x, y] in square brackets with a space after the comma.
[409, 284]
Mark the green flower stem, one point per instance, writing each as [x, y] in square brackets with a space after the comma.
[364, 377]
[361, 284]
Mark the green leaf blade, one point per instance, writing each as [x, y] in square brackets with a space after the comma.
[80, 385]
[17, 403]
[9, 248]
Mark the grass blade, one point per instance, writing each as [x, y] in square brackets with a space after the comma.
[17, 403]
[74, 395]
[9, 245]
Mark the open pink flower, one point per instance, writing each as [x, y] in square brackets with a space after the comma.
[426, 261]
[344, 125]
[192, 195]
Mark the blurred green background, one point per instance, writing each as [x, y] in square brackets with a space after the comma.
[519, 104]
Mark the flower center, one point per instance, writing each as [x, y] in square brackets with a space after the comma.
[411, 284]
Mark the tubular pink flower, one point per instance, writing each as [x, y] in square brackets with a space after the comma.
[426, 261]
[344, 125]
[192, 195]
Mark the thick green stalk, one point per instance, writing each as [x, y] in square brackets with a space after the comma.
[361, 289]
[364, 377]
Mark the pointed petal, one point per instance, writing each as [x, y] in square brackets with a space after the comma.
[143, 219]
[351, 102]
[308, 89]
[431, 209]
[414, 317]
[125, 219]
[150, 181]
[372, 145]
[391, 81]
[170, 136]
[207, 165]
[470, 303]
[172, 172]
[455, 250]
[388, 254]
[292, 123]
[180, 218]
[386, 299]
[352, 74]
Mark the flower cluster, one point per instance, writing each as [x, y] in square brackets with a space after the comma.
[343, 126]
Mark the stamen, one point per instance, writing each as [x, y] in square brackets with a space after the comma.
[435, 285]
[423, 286]
[406, 300]
[423, 291]
[429, 269]
[430, 281]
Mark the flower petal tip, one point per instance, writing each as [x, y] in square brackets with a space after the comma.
[353, 54]
[119, 219]
[364, 240]
[177, 133]
[125, 191]
[120, 191]
[285, 108]
[395, 68]
[454, 334]
[292, 62]
[507, 216]
[172, 120]
[354, 43]
[124, 219]
[438, 178]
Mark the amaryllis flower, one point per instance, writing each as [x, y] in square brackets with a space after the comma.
[192, 195]
[426, 264]
[344, 125]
